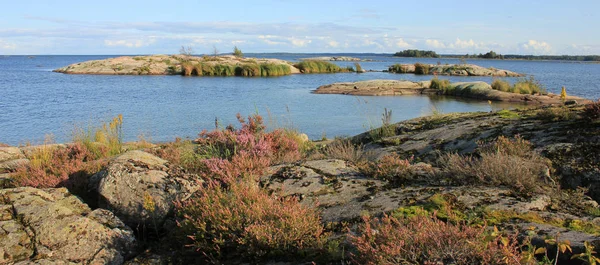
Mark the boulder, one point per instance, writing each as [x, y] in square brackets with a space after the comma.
[6, 181]
[374, 88]
[52, 226]
[141, 188]
[12, 165]
[10, 153]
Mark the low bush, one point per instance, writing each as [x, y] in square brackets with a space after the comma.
[508, 114]
[314, 66]
[387, 129]
[427, 240]
[440, 84]
[528, 86]
[501, 85]
[592, 111]
[104, 141]
[245, 152]
[52, 166]
[556, 114]
[507, 162]
[188, 69]
[421, 69]
[398, 68]
[358, 68]
[391, 168]
[243, 219]
[344, 149]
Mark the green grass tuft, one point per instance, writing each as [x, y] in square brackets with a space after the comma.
[314, 67]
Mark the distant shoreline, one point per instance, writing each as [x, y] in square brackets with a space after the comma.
[535, 58]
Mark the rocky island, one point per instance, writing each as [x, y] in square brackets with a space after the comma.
[475, 90]
[493, 185]
[223, 65]
[450, 69]
[338, 59]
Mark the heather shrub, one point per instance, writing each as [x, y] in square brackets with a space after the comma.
[592, 111]
[244, 219]
[426, 240]
[181, 153]
[57, 167]
[230, 153]
[508, 162]
[391, 168]
[421, 69]
[501, 85]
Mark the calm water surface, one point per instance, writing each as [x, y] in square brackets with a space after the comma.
[34, 101]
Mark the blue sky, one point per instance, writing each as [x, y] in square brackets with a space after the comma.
[147, 27]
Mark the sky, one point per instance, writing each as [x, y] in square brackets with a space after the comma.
[328, 26]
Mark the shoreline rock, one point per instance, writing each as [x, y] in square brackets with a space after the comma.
[452, 69]
[160, 64]
[52, 226]
[474, 90]
[337, 59]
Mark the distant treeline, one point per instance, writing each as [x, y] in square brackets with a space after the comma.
[417, 53]
[494, 55]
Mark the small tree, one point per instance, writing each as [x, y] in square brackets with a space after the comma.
[563, 93]
[189, 51]
[215, 51]
[237, 52]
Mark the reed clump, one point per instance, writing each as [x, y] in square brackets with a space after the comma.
[315, 67]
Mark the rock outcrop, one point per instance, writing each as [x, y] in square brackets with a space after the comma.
[54, 227]
[160, 64]
[344, 193]
[474, 90]
[454, 69]
[337, 59]
[141, 188]
[375, 88]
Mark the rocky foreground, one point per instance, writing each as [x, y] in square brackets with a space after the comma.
[124, 214]
[474, 90]
[161, 64]
[451, 69]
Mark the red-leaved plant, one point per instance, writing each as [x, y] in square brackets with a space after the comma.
[241, 218]
[428, 240]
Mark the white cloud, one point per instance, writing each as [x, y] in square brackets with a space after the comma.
[7, 45]
[401, 43]
[536, 47]
[333, 44]
[463, 44]
[435, 44]
[129, 43]
[299, 42]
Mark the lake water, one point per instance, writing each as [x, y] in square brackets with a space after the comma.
[34, 101]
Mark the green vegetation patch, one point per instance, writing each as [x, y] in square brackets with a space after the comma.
[315, 66]
[417, 53]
